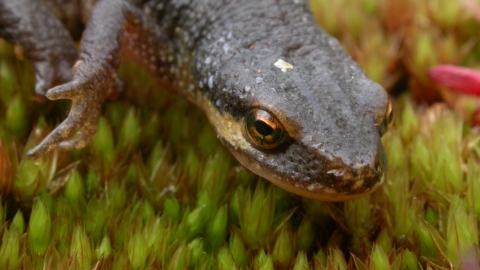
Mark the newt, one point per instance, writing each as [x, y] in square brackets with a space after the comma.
[281, 93]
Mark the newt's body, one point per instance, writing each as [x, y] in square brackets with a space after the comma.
[282, 95]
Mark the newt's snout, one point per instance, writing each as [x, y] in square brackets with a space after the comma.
[349, 181]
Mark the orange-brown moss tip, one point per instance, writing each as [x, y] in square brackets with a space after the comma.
[8, 163]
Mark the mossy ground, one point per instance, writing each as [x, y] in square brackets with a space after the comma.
[156, 190]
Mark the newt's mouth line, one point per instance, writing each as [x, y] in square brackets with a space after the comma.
[326, 187]
[340, 189]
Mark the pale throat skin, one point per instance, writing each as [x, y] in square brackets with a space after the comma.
[229, 57]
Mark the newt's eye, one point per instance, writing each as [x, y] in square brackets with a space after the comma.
[388, 120]
[264, 130]
[389, 115]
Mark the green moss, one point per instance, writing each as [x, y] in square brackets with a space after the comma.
[155, 189]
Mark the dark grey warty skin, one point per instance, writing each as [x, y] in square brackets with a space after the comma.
[223, 52]
[333, 105]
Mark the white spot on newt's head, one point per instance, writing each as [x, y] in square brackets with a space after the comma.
[282, 65]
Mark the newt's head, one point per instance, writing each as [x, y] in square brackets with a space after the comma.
[301, 114]
[311, 134]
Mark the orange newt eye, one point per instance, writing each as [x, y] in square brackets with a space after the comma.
[264, 129]
[389, 116]
[388, 119]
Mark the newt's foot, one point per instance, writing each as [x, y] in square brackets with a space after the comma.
[91, 85]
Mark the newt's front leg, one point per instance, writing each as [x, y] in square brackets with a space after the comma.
[95, 73]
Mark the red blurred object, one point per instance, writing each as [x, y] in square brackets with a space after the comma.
[459, 79]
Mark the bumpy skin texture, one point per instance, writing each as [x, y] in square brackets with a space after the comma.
[221, 56]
